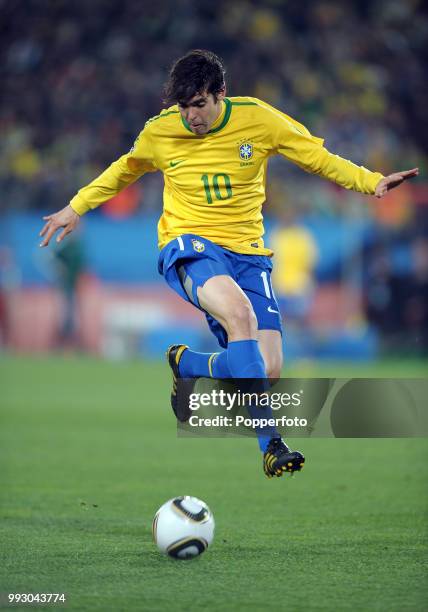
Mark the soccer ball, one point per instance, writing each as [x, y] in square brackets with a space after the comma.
[183, 527]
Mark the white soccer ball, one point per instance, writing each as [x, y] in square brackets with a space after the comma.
[183, 527]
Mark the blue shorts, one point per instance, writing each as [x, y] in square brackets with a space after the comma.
[187, 262]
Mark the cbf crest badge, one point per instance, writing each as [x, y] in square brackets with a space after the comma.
[245, 150]
[198, 246]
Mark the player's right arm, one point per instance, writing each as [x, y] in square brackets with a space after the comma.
[121, 173]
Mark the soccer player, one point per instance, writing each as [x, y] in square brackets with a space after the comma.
[213, 152]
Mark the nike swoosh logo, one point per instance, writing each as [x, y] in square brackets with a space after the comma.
[270, 309]
[175, 163]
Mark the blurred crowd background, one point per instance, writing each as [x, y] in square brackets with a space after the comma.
[78, 81]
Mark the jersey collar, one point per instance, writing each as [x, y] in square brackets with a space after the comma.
[223, 122]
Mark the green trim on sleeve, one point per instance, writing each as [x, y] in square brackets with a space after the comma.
[244, 103]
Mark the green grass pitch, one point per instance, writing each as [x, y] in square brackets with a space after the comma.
[89, 452]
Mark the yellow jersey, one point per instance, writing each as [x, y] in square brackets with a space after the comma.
[214, 185]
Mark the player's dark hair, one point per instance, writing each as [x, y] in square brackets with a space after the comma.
[196, 72]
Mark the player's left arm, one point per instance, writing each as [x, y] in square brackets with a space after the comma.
[347, 174]
[294, 141]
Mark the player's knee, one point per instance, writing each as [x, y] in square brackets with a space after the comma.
[242, 320]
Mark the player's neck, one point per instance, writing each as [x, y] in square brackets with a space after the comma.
[219, 118]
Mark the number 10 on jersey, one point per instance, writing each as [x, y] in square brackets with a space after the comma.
[219, 185]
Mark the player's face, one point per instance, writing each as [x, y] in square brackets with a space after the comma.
[201, 111]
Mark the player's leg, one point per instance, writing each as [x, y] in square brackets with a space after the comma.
[222, 297]
[233, 309]
[256, 283]
[278, 457]
[225, 301]
[227, 305]
[276, 453]
[270, 344]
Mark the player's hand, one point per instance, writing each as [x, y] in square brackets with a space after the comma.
[66, 218]
[393, 180]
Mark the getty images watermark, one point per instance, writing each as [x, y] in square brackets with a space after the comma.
[231, 401]
[300, 407]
